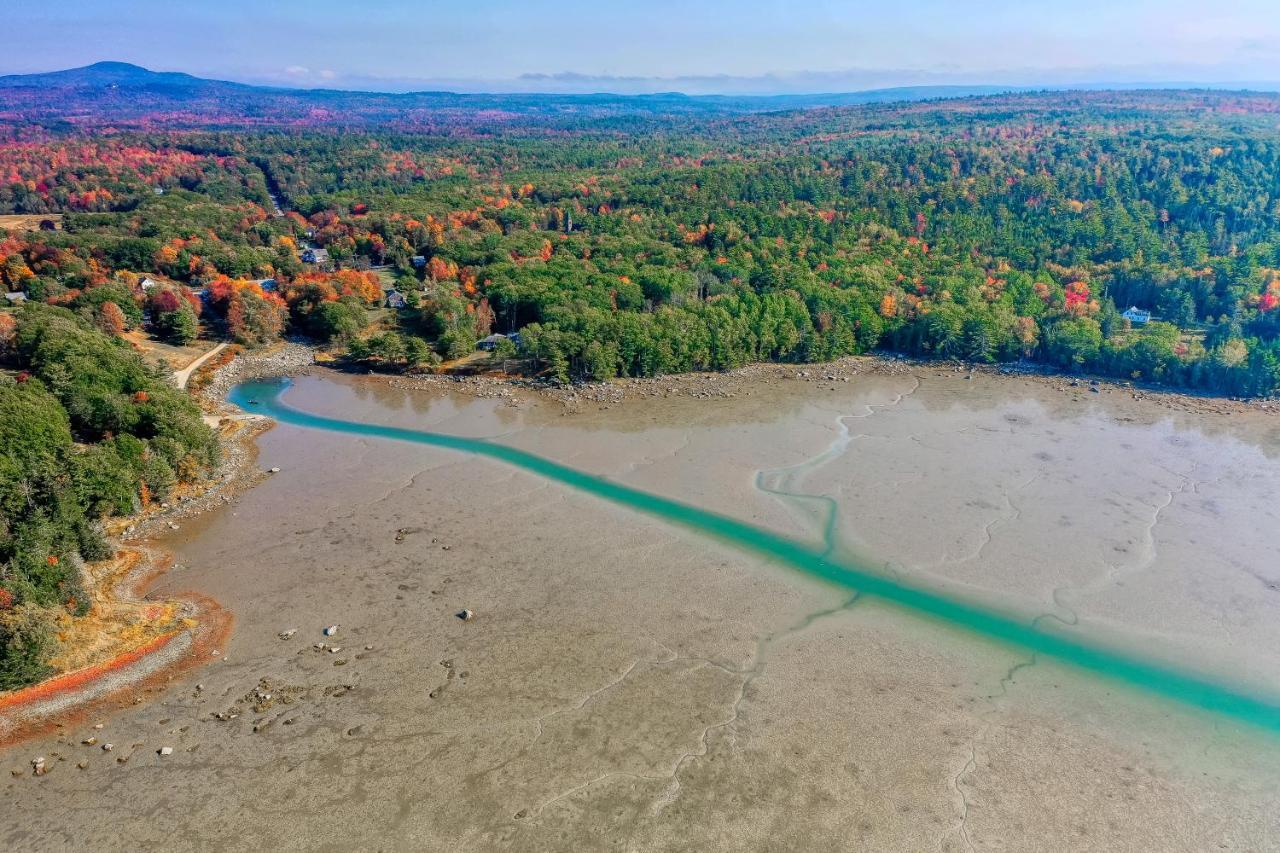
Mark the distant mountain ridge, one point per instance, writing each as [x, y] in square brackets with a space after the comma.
[104, 74]
[121, 94]
[128, 76]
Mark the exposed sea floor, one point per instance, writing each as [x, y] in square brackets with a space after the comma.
[631, 682]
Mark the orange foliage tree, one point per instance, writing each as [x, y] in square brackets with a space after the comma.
[111, 319]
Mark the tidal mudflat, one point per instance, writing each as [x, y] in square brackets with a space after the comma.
[630, 683]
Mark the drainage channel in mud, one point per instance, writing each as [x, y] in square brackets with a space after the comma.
[265, 397]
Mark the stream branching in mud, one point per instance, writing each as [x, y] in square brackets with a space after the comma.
[818, 562]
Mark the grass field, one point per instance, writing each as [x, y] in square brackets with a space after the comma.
[28, 221]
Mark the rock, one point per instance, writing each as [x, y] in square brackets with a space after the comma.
[466, 615]
[37, 765]
[89, 741]
[165, 750]
[107, 747]
[274, 470]
[284, 635]
[331, 630]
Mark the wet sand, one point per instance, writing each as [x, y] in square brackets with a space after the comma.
[630, 685]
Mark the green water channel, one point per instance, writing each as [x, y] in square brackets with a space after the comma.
[265, 397]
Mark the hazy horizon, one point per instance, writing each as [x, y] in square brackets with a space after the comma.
[715, 48]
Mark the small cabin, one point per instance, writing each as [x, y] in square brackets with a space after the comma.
[1137, 316]
[396, 300]
[16, 297]
[419, 261]
[268, 285]
[148, 284]
[315, 256]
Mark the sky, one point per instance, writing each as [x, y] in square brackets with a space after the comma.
[695, 46]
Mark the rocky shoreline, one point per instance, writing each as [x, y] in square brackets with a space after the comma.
[237, 432]
[298, 357]
[741, 381]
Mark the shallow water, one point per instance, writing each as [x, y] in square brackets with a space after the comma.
[828, 561]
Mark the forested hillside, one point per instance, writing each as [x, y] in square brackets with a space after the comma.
[998, 228]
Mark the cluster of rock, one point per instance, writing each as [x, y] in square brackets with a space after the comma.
[482, 387]
[289, 359]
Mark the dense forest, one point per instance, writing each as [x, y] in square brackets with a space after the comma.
[88, 430]
[989, 229]
[615, 243]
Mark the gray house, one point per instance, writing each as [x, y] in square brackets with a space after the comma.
[490, 343]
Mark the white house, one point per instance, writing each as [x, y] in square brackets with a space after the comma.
[1137, 316]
